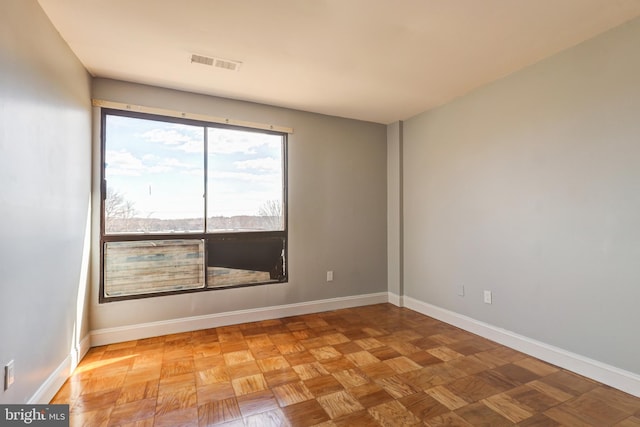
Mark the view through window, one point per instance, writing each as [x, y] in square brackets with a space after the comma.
[190, 205]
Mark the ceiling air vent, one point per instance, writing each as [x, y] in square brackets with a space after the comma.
[199, 59]
[226, 64]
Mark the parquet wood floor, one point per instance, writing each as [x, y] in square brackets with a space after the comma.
[378, 365]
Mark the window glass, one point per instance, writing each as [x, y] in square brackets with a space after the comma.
[245, 184]
[154, 176]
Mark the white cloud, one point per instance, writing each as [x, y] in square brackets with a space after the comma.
[176, 138]
[192, 146]
[242, 176]
[166, 136]
[173, 162]
[193, 172]
[223, 141]
[123, 163]
[158, 169]
[266, 164]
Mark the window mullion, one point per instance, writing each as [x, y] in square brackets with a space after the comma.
[205, 198]
[206, 175]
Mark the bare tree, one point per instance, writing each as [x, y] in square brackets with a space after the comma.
[271, 213]
[117, 211]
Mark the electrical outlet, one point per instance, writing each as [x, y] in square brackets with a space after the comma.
[330, 276]
[487, 297]
[460, 290]
[9, 376]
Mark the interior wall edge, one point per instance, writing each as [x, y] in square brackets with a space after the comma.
[395, 299]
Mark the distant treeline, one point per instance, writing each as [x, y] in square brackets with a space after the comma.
[154, 225]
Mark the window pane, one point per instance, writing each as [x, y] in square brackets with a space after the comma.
[155, 176]
[150, 266]
[244, 181]
[243, 260]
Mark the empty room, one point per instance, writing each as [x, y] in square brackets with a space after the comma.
[320, 213]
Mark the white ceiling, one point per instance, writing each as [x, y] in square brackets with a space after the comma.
[375, 60]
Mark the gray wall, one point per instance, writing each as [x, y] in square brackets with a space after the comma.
[337, 210]
[530, 187]
[45, 176]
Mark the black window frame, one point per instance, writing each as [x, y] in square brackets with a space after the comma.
[209, 238]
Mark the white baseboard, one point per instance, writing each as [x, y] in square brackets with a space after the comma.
[598, 371]
[54, 382]
[395, 299]
[153, 329]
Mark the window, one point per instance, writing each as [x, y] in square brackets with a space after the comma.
[189, 206]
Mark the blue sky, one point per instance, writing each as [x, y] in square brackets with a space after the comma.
[160, 168]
